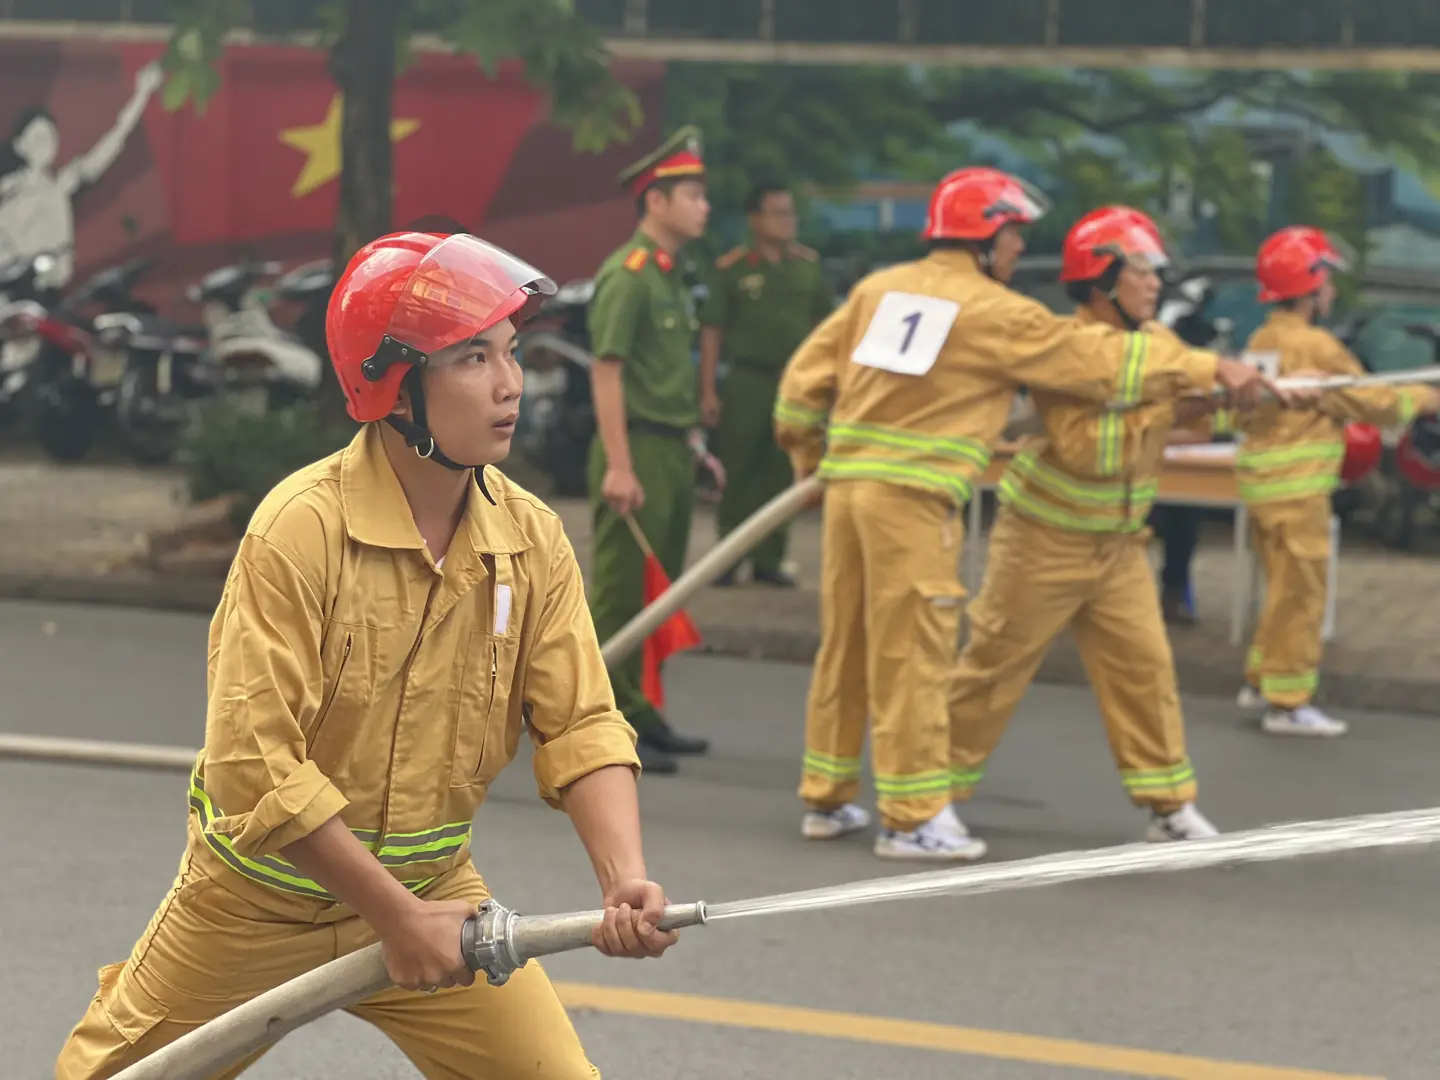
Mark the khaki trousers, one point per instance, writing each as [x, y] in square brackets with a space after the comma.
[208, 949]
[1292, 540]
[890, 601]
[1040, 579]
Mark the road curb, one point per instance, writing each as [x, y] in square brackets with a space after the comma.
[1207, 670]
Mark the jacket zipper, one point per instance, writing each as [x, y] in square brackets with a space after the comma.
[334, 692]
[395, 731]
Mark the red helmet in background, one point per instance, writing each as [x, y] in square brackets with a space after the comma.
[1102, 236]
[1418, 454]
[1296, 261]
[1363, 450]
[975, 203]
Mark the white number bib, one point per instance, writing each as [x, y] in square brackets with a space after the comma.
[906, 333]
[1267, 363]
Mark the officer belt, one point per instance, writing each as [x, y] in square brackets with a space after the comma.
[654, 427]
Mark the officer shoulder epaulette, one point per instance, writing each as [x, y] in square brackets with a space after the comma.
[731, 257]
[800, 251]
[635, 261]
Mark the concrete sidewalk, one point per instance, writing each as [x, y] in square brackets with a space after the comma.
[75, 534]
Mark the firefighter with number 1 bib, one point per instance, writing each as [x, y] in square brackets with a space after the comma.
[897, 399]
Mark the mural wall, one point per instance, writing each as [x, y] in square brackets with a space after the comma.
[94, 169]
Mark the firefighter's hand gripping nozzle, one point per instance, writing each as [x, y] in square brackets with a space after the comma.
[499, 941]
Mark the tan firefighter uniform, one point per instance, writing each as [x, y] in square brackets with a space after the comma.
[898, 397]
[1287, 465]
[349, 675]
[1069, 548]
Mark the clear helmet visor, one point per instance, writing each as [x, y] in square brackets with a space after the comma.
[463, 286]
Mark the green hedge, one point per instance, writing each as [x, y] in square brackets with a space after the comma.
[232, 452]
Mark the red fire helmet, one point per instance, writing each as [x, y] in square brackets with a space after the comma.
[1418, 454]
[1112, 232]
[1296, 261]
[975, 203]
[405, 296]
[1363, 450]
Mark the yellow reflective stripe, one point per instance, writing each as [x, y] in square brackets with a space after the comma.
[1276, 490]
[831, 767]
[1289, 684]
[1132, 372]
[909, 442]
[967, 778]
[1255, 657]
[1289, 455]
[1150, 780]
[1110, 427]
[1105, 493]
[1011, 492]
[1408, 406]
[900, 785]
[1224, 422]
[895, 472]
[787, 412]
[398, 849]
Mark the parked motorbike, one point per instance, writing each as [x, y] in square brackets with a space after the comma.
[261, 367]
[557, 418]
[1411, 503]
[23, 305]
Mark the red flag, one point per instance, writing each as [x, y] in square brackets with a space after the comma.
[675, 634]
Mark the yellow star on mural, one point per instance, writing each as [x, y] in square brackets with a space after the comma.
[321, 143]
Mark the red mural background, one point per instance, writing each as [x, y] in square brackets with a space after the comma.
[256, 174]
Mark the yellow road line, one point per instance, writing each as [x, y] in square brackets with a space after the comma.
[919, 1035]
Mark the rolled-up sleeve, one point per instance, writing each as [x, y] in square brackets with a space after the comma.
[569, 702]
[263, 794]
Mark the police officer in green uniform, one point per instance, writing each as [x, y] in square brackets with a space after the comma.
[765, 298]
[642, 324]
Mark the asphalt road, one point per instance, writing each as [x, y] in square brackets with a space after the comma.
[1289, 971]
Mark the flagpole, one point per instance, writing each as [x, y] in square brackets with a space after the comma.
[639, 536]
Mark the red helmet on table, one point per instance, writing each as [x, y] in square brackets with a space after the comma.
[404, 297]
[1296, 261]
[975, 203]
[1101, 237]
[1363, 450]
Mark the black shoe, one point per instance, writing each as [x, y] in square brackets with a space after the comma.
[776, 578]
[725, 580]
[652, 761]
[662, 737]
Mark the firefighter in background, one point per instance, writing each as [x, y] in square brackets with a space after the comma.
[898, 398]
[765, 296]
[1288, 465]
[1069, 548]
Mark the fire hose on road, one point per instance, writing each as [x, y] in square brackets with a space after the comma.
[496, 942]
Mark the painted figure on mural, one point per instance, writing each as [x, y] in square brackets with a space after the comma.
[36, 215]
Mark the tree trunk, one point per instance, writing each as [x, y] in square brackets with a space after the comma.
[362, 63]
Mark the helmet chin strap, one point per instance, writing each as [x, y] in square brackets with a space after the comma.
[417, 434]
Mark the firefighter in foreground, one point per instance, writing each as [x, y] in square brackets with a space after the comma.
[395, 617]
[1069, 548]
[1288, 465]
[897, 398]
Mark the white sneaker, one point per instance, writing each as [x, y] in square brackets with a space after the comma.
[944, 838]
[1306, 720]
[1187, 823]
[1250, 700]
[828, 824]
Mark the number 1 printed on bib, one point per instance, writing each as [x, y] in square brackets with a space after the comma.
[1267, 363]
[906, 333]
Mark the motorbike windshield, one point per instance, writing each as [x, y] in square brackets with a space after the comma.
[463, 286]
[1340, 255]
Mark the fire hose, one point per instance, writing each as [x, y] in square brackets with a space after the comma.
[497, 942]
